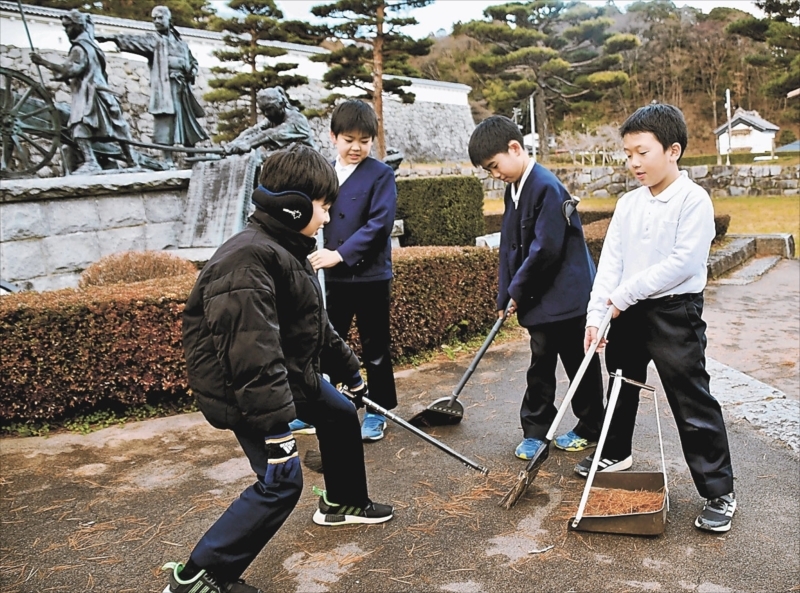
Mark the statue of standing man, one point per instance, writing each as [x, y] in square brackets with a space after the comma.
[173, 69]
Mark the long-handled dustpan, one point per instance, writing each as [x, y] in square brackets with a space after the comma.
[448, 410]
[630, 522]
[426, 437]
[527, 475]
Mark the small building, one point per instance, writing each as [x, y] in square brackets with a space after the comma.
[749, 132]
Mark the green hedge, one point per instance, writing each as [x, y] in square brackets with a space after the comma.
[440, 210]
[494, 222]
[70, 351]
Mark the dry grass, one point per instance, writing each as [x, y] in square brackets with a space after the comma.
[749, 215]
[135, 266]
[616, 501]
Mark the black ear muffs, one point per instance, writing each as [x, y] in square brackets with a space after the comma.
[292, 208]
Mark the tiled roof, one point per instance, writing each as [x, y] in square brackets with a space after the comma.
[749, 118]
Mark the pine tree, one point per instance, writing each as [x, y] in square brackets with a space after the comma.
[372, 45]
[558, 51]
[185, 13]
[256, 21]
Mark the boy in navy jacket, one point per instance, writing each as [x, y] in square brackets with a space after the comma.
[545, 276]
[357, 253]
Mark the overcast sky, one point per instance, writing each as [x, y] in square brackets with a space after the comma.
[443, 13]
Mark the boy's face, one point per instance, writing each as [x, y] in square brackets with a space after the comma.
[508, 166]
[352, 147]
[653, 166]
[319, 218]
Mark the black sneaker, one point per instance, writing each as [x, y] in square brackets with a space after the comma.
[202, 582]
[717, 514]
[605, 465]
[329, 513]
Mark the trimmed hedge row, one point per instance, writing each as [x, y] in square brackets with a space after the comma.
[70, 351]
[440, 210]
[494, 222]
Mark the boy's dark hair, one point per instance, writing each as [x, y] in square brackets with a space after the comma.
[354, 115]
[664, 121]
[491, 137]
[300, 168]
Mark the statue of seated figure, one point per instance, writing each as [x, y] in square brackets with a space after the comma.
[284, 124]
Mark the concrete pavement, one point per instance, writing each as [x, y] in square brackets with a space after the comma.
[102, 512]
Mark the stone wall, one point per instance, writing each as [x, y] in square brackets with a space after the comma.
[611, 182]
[423, 131]
[52, 229]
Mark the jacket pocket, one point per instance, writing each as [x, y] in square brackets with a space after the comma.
[665, 236]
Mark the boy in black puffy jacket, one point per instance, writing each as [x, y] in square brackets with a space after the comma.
[257, 340]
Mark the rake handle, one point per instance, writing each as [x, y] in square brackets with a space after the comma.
[484, 347]
[576, 381]
[426, 437]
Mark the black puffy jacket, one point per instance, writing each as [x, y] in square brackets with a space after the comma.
[255, 332]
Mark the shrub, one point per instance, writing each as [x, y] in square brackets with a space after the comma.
[494, 222]
[134, 266]
[440, 210]
[70, 351]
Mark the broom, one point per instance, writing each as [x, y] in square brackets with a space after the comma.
[530, 472]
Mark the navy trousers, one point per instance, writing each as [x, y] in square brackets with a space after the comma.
[233, 542]
[369, 303]
[550, 341]
[340, 445]
[670, 332]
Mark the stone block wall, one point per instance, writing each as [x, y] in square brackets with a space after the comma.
[50, 232]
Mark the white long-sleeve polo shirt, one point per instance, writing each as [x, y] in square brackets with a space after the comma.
[655, 246]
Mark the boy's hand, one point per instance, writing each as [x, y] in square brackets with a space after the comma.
[512, 308]
[614, 311]
[590, 337]
[324, 258]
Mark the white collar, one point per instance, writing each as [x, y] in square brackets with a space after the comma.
[340, 166]
[516, 192]
[672, 189]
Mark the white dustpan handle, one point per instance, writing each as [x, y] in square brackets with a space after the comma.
[576, 381]
[612, 403]
[661, 447]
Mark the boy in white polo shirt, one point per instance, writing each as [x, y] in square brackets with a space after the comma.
[652, 273]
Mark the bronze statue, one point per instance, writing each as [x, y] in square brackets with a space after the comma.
[95, 113]
[284, 124]
[173, 69]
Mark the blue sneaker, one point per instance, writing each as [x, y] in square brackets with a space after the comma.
[528, 448]
[297, 426]
[372, 427]
[573, 442]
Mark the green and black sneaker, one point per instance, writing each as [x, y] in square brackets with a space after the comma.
[329, 513]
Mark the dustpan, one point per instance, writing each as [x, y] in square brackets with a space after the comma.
[647, 523]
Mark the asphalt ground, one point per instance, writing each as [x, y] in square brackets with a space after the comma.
[102, 512]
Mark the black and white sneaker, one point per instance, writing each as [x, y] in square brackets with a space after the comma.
[329, 513]
[717, 514]
[202, 582]
[605, 465]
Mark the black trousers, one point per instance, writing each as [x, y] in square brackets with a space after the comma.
[671, 332]
[550, 341]
[369, 303]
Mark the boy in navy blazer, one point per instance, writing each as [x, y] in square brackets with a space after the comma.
[357, 253]
[545, 276]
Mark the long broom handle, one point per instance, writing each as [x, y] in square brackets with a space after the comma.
[576, 381]
[612, 403]
[484, 347]
[426, 437]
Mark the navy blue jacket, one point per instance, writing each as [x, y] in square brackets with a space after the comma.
[544, 263]
[361, 224]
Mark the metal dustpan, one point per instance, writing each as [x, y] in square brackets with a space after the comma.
[647, 523]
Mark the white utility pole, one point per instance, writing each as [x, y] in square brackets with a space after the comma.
[533, 128]
[730, 138]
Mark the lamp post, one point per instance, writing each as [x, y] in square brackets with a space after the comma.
[533, 128]
[730, 138]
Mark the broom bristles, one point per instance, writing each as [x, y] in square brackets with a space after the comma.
[517, 490]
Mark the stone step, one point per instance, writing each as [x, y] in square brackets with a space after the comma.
[735, 253]
[750, 271]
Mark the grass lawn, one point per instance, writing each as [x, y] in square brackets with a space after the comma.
[755, 215]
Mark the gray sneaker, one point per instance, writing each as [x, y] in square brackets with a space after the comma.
[202, 581]
[717, 514]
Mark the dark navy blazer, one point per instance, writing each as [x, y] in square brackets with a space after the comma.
[361, 224]
[544, 263]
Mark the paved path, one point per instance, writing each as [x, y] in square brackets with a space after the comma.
[102, 512]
